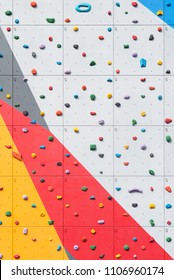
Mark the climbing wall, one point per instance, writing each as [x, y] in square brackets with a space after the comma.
[86, 130]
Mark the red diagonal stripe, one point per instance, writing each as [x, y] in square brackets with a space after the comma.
[76, 212]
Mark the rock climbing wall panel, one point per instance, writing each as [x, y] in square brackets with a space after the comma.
[86, 130]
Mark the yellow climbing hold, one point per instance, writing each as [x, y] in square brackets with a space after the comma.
[101, 205]
[67, 205]
[109, 95]
[33, 155]
[42, 214]
[76, 129]
[8, 96]
[59, 197]
[159, 62]
[152, 206]
[93, 231]
[118, 256]
[126, 147]
[42, 114]
[109, 62]
[75, 28]
[143, 114]
[159, 13]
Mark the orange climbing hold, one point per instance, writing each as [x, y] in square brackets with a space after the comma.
[17, 156]
[33, 4]
[168, 189]
[34, 72]
[59, 113]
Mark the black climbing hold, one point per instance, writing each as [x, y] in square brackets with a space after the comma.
[117, 104]
[25, 113]
[34, 54]
[134, 205]
[101, 155]
[75, 46]
[151, 38]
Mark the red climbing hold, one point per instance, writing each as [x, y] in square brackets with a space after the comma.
[134, 37]
[168, 120]
[101, 38]
[67, 20]
[134, 4]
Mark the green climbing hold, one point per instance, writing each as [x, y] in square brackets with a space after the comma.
[134, 122]
[92, 247]
[50, 20]
[17, 105]
[8, 214]
[152, 223]
[93, 147]
[151, 172]
[84, 189]
[50, 138]
[92, 63]
[168, 138]
[51, 222]
[168, 239]
[126, 247]
[16, 37]
[126, 46]
[42, 96]
[92, 97]
[8, 13]
[143, 96]
[59, 46]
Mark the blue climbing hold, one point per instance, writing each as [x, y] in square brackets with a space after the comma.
[33, 121]
[42, 147]
[109, 80]
[92, 197]
[76, 96]
[1, 88]
[59, 247]
[25, 46]
[117, 4]
[17, 21]
[118, 155]
[143, 62]
[118, 189]
[143, 130]
[67, 155]
[168, 206]
[83, 8]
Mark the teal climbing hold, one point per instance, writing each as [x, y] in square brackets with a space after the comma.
[83, 8]
[143, 62]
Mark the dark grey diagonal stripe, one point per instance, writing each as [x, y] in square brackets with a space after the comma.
[21, 93]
